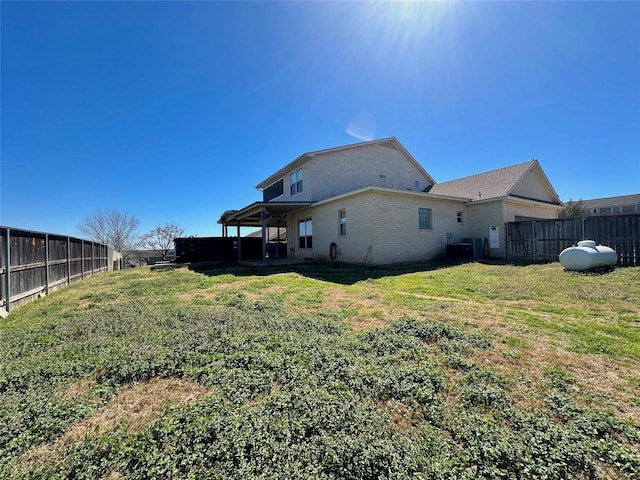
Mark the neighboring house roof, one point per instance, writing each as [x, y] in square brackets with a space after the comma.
[612, 201]
[390, 141]
[495, 184]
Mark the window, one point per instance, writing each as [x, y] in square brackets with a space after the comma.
[424, 218]
[273, 191]
[616, 210]
[306, 233]
[416, 184]
[342, 228]
[459, 217]
[295, 181]
[595, 211]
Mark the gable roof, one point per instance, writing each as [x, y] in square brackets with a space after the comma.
[494, 184]
[388, 142]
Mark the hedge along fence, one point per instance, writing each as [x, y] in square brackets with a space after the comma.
[33, 264]
[543, 240]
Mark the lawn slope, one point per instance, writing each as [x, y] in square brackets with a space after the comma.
[323, 371]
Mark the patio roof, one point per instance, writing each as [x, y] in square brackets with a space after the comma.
[251, 215]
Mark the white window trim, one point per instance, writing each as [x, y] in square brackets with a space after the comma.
[430, 224]
[305, 236]
[342, 221]
[295, 186]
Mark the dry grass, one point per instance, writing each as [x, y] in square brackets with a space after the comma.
[76, 390]
[401, 416]
[134, 407]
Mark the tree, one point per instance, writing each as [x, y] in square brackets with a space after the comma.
[573, 209]
[160, 239]
[113, 228]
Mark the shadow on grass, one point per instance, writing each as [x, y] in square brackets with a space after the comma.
[341, 273]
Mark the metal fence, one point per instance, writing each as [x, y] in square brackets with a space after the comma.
[543, 240]
[34, 263]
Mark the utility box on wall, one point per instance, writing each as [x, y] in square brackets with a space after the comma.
[494, 237]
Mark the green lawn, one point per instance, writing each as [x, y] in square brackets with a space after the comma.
[326, 371]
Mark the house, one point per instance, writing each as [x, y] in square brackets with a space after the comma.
[621, 205]
[373, 203]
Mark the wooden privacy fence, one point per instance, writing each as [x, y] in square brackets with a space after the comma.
[543, 240]
[34, 263]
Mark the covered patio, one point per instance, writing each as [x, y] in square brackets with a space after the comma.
[263, 215]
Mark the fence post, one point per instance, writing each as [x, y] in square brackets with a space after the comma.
[82, 259]
[93, 258]
[68, 260]
[7, 280]
[533, 238]
[46, 263]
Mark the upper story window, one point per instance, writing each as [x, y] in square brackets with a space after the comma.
[424, 218]
[616, 210]
[295, 182]
[459, 217]
[342, 226]
[595, 211]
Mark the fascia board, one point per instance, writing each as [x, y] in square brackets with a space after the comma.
[388, 191]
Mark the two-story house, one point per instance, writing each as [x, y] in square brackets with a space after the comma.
[373, 203]
[620, 205]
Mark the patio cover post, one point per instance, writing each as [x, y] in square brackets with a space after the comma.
[263, 214]
[239, 242]
[278, 237]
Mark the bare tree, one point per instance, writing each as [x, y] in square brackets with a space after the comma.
[573, 209]
[116, 229]
[160, 239]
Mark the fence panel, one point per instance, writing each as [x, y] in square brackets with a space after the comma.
[58, 265]
[543, 240]
[33, 263]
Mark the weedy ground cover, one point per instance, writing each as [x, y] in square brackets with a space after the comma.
[326, 371]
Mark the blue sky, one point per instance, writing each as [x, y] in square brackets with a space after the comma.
[174, 111]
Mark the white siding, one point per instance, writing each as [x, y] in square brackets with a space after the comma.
[335, 173]
[532, 186]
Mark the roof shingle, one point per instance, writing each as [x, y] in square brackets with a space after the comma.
[487, 185]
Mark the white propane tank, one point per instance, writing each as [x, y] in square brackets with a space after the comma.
[587, 256]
